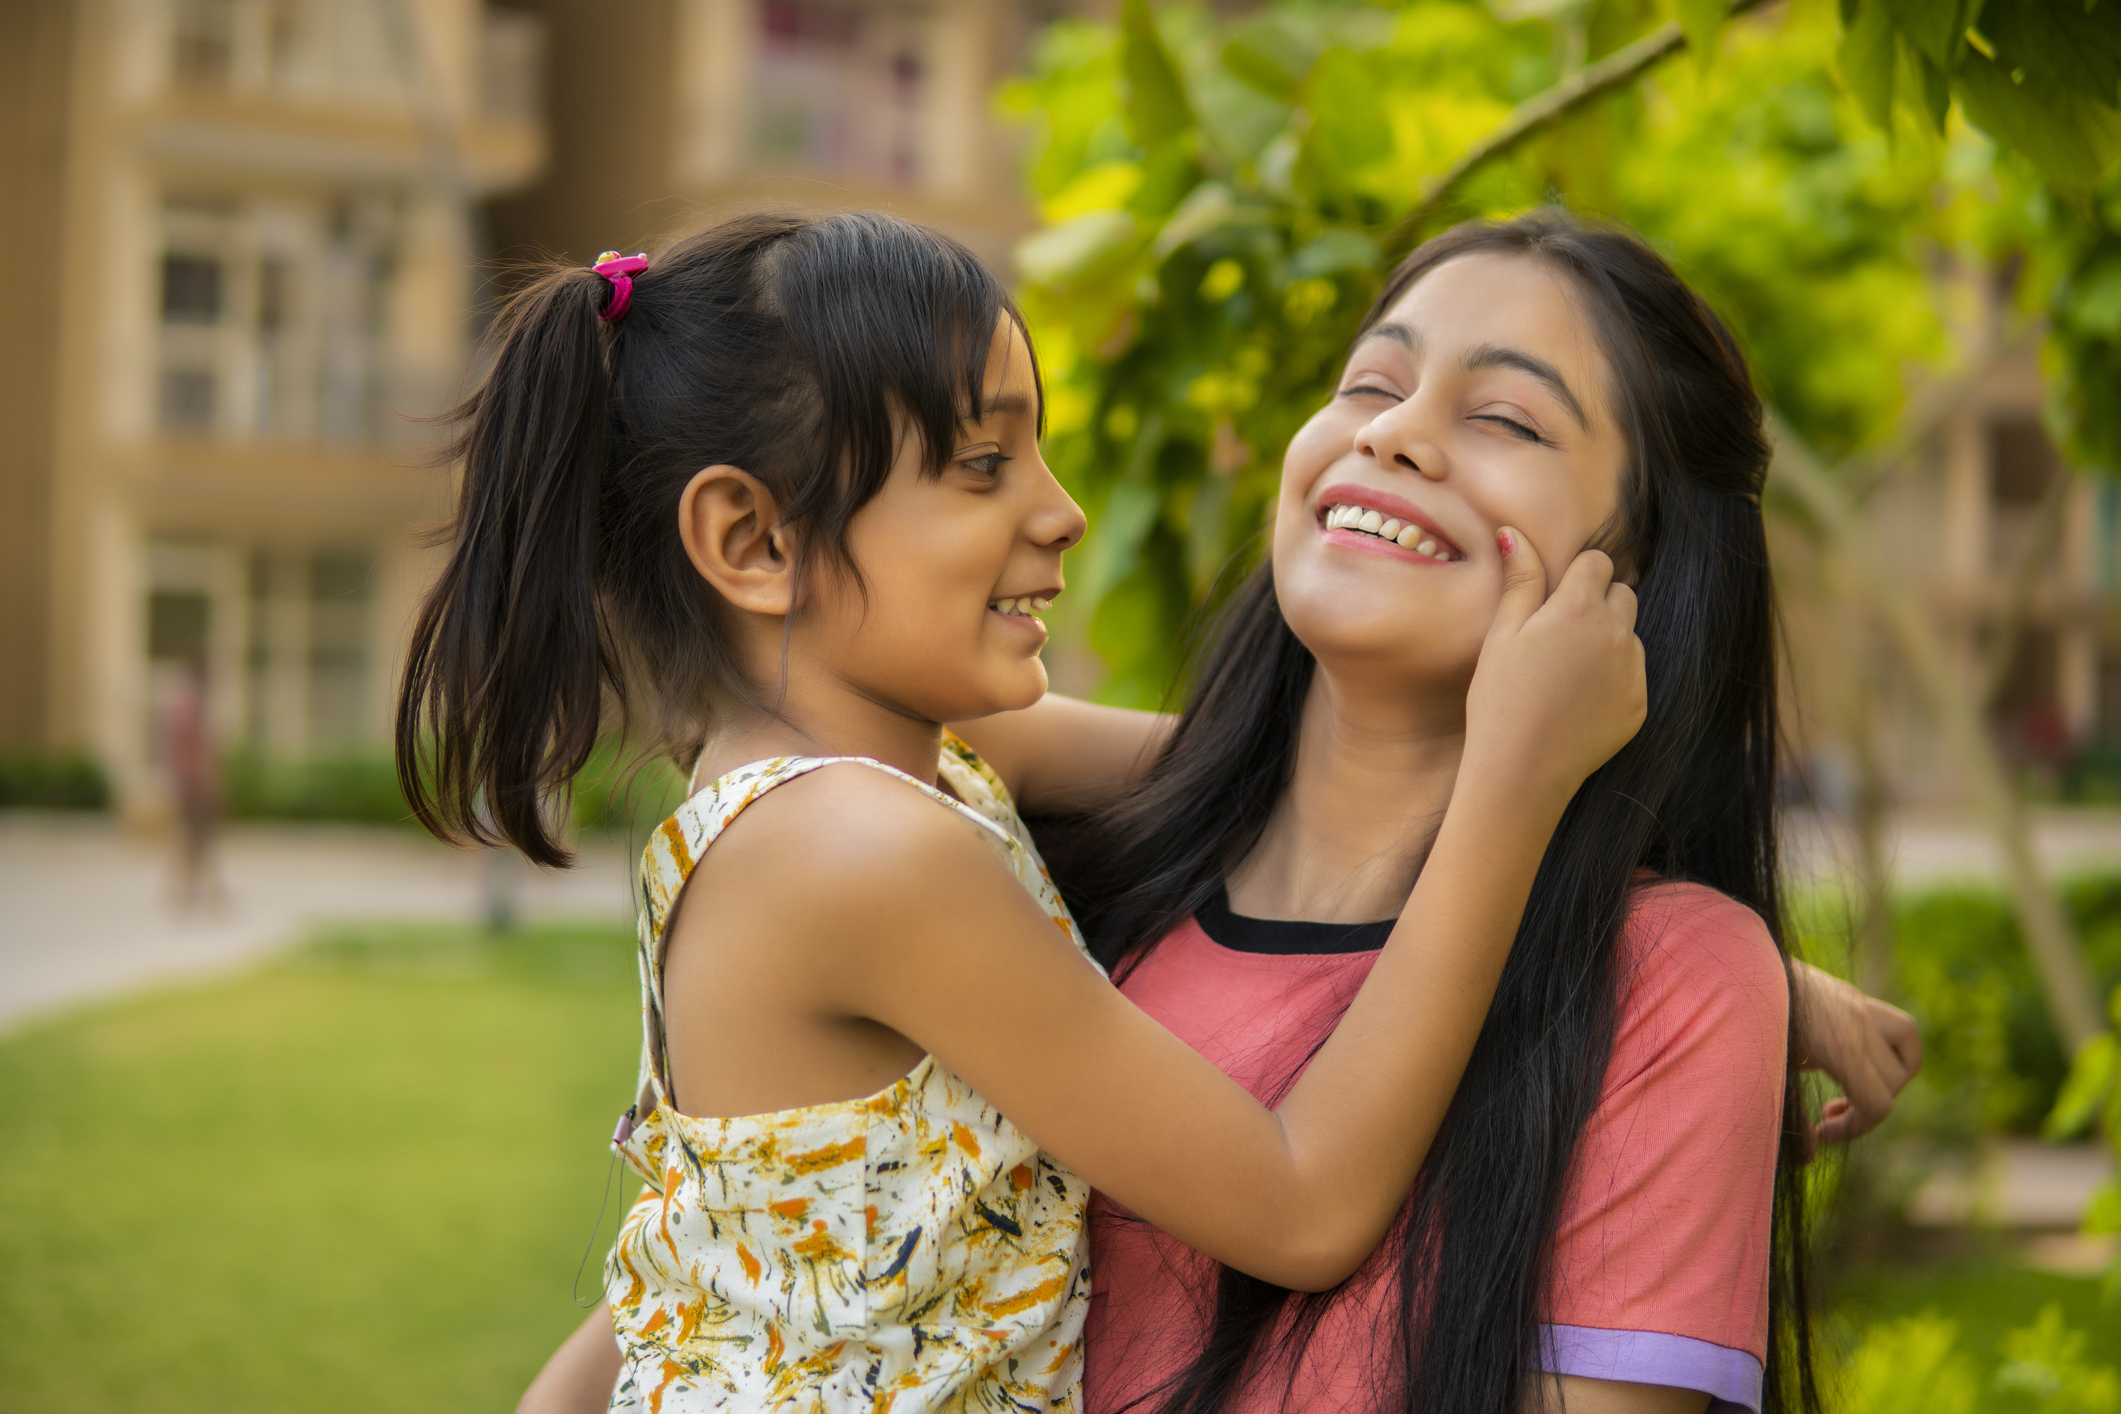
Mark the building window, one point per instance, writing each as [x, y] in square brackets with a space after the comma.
[839, 89]
[191, 290]
[2022, 461]
[339, 595]
[204, 42]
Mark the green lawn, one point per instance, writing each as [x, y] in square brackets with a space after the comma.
[357, 1180]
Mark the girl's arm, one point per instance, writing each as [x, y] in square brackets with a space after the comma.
[579, 1376]
[898, 914]
[1869, 1048]
[1062, 754]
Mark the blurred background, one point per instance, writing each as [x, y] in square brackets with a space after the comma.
[299, 1109]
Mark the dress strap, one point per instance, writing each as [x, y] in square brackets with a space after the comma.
[679, 844]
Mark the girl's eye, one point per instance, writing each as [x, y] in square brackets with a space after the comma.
[1358, 389]
[1516, 427]
[987, 464]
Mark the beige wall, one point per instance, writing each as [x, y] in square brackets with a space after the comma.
[33, 101]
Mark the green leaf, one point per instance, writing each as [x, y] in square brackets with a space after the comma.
[1701, 21]
[1936, 90]
[1866, 62]
[2069, 138]
[1347, 118]
[1157, 110]
[1058, 253]
[1333, 251]
[2103, 1213]
[2057, 42]
[2090, 1076]
[1124, 521]
[1933, 27]
[2092, 305]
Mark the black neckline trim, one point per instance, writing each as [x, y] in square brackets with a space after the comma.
[1286, 936]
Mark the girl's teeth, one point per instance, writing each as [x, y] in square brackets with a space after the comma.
[1409, 536]
[1426, 547]
[1372, 522]
[1390, 530]
[1040, 605]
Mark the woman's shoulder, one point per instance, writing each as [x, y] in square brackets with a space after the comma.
[1682, 926]
[1695, 956]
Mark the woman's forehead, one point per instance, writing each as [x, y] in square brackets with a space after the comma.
[1500, 299]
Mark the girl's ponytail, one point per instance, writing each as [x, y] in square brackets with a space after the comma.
[503, 681]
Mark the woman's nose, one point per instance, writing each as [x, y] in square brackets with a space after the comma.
[1397, 439]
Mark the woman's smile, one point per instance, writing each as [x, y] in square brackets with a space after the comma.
[1379, 522]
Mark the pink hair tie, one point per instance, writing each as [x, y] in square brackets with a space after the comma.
[619, 270]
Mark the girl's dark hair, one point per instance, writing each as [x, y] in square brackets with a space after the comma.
[800, 349]
[1692, 797]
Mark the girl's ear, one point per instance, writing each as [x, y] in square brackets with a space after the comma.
[731, 529]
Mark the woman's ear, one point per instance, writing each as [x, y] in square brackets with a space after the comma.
[731, 529]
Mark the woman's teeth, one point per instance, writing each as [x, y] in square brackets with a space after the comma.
[1028, 606]
[1406, 533]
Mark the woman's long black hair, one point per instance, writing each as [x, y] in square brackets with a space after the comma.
[1692, 797]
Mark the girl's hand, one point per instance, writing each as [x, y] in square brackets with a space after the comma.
[1867, 1047]
[1560, 684]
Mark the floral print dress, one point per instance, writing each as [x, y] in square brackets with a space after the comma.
[910, 1251]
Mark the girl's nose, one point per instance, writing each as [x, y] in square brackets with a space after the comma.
[1059, 522]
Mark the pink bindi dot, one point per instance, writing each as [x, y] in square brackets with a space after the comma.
[1506, 543]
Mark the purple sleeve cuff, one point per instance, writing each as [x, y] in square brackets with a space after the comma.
[1731, 1378]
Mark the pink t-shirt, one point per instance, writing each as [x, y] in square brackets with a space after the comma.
[1660, 1268]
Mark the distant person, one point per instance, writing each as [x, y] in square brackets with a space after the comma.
[195, 785]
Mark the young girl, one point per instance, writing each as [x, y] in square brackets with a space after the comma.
[777, 493]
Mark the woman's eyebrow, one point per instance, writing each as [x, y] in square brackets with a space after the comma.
[1496, 356]
[1403, 335]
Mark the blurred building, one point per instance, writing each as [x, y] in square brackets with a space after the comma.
[243, 233]
[2016, 560]
[675, 112]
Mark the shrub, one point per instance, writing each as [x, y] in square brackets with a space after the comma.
[356, 788]
[1991, 1059]
[52, 780]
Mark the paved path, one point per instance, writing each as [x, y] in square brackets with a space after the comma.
[84, 910]
[1934, 847]
[84, 906]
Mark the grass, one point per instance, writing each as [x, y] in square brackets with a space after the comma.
[1985, 1293]
[357, 1180]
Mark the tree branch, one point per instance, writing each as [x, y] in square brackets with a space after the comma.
[1621, 66]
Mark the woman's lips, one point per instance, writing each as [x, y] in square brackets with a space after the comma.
[1389, 507]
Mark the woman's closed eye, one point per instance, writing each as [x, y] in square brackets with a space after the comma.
[1516, 426]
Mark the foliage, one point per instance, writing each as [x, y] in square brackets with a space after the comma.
[1919, 1365]
[357, 1180]
[1216, 197]
[1911, 1366]
[1991, 1059]
[52, 780]
[356, 788]
[614, 795]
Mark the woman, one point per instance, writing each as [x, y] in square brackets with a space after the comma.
[1615, 1199]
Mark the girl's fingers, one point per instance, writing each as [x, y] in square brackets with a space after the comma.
[1524, 580]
